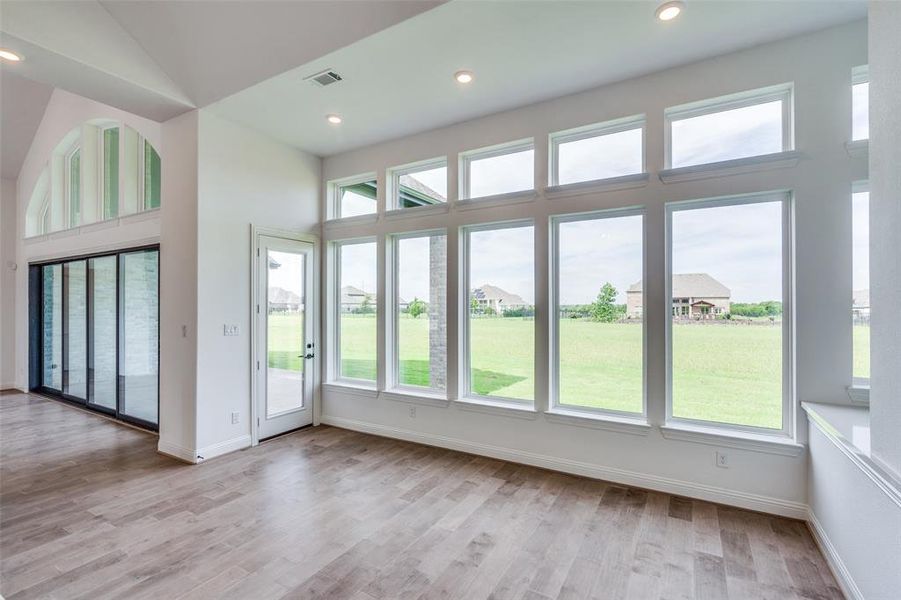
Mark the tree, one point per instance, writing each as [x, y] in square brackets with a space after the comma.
[604, 309]
[366, 306]
[416, 307]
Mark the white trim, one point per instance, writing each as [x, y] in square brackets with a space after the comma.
[720, 436]
[766, 504]
[858, 148]
[520, 410]
[833, 558]
[859, 394]
[94, 249]
[414, 397]
[218, 449]
[736, 166]
[608, 422]
[594, 186]
[417, 211]
[338, 387]
[175, 451]
[336, 223]
[496, 200]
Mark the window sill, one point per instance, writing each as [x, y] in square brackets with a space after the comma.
[598, 421]
[859, 394]
[415, 397]
[610, 184]
[751, 164]
[145, 215]
[858, 148]
[350, 221]
[417, 211]
[497, 200]
[351, 389]
[711, 436]
[496, 407]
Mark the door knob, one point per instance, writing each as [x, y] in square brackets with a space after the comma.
[309, 355]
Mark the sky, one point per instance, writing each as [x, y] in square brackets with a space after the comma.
[500, 174]
[860, 111]
[504, 258]
[595, 252]
[413, 268]
[358, 266]
[289, 274]
[860, 241]
[599, 157]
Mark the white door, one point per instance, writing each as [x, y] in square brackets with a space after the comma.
[285, 351]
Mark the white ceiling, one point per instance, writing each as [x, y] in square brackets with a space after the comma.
[22, 105]
[399, 81]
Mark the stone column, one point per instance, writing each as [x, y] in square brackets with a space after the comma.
[438, 312]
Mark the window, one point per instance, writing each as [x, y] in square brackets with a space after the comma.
[598, 333]
[727, 340]
[420, 311]
[152, 177]
[357, 307]
[139, 334]
[355, 197]
[598, 152]
[110, 172]
[73, 186]
[860, 104]
[424, 184]
[729, 128]
[860, 305]
[500, 327]
[497, 170]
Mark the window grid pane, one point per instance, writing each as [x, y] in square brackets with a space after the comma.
[358, 304]
[356, 199]
[860, 111]
[600, 157]
[110, 172]
[502, 174]
[424, 187]
[860, 307]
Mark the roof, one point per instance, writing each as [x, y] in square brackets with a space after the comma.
[279, 295]
[492, 292]
[861, 298]
[693, 285]
[354, 295]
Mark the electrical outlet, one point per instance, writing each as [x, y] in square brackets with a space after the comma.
[722, 460]
[236, 418]
[229, 330]
[412, 412]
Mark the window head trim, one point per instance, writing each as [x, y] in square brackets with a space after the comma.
[788, 354]
[467, 158]
[860, 74]
[555, 140]
[334, 358]
[393, 175]
[333, 192]
[783, 92]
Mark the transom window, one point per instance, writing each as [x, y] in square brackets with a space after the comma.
[860, 103]
[357, 306]
[497, 170]
[422, 184]
[749, 124]
[354, 197]
[602, 151]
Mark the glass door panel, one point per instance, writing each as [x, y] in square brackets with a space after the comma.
[285, 332]
[139, 334]
[52, 327]
[75, 330]
[102, 326]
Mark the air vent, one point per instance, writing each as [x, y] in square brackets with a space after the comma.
[327, 77]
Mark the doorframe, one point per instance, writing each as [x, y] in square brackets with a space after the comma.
[255, 233]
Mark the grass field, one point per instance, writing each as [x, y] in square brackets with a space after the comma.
[727, 373]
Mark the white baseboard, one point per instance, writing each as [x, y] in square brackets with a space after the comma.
[9, 386]
[766, 504]
[214, 450]
[176, 451]
[833, 559]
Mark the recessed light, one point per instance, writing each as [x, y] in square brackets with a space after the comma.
[334, 119]
[9, 55]
[464, 76]
[669, 10]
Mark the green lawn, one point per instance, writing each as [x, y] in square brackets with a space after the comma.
[862, 351]
[728, 373]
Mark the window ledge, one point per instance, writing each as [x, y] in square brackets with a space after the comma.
[497, 407]
[417, 211]
[351, 389]
[145, 215]
[768, 444]
[858, 148]
[859, 394]
[415, 397]
[349, 221]
[598, 421]
[610, 184]
[496, 200]
[750, 164]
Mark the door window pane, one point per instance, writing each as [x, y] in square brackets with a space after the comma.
[421, 311]
[52, 327]
[501, 340]
[102, 365]
[600, 313]
[727, 316]
[139, 358]
[512, 171]
[285, 337]
[860, 308]
[357, 310]
[76, 330]
[600, 156]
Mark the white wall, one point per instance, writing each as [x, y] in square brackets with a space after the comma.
[820, 66]
[7, 283]
[244, 179]
[885, 232]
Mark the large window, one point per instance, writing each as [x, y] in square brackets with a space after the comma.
[728, 313]
[357, 307]
[860, 104]
[500, 325]
[73, 187]
[110, 172]
[860, 303]
[420, 311]
[497, 170]
[353, 198]
[598, 152]
[423, 184]
[599, 305]
[729, 128]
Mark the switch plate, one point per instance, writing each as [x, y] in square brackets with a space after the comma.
[236, 417]
[229, 330]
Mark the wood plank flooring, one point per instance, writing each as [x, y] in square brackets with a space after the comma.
[88, 509]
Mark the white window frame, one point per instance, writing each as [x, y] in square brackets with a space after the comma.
[394, 174]
[467, 158]
[859, 75]
[335, 376]
[783, 92]
[333, 191]
[860, 386]
[593, 131]
[393, 315]
[465, 364]
[67, 185]
[554, 301]
[788, 355]
[45, 226]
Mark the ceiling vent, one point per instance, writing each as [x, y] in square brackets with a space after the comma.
[327, 77]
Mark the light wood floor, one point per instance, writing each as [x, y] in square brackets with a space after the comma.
[88, 509]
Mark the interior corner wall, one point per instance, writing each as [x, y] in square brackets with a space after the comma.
[885, 232]
[8, 265]
[245, 179]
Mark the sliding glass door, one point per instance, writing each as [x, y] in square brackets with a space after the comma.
[52, 327]
[102, 274]
[139, 354]
[75, 330]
